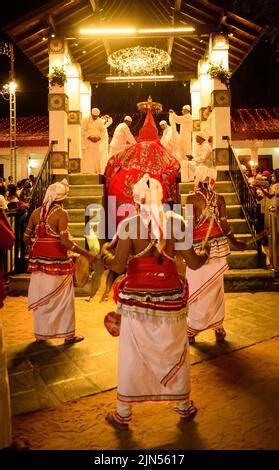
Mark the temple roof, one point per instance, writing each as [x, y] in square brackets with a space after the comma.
[66, 17]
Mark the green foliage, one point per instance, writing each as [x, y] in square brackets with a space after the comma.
[219, 72]
[57, 76]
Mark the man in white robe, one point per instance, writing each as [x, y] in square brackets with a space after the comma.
[122, 137]
[203, 151]
[93, 137]
[186, 127]
[167, 138]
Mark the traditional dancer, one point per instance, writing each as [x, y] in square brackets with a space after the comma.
[206, 285]
[154, 360]
[51, 291]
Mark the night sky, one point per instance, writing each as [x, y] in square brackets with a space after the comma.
[254, 84]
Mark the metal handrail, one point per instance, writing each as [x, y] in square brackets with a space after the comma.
[248, 201]
[14, 259]
[43, 180]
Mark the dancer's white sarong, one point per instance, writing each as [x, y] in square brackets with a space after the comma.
[206, 296]
[156, 355]
[52, 299]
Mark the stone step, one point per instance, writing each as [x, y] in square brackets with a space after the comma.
[234, 211]
[81, 202]
[86, 190]
[239, 226]
[243, 259]
[79, 179]
[252, 280]
[230, 198]
[219, 187]
[243, 237]
[78, 215]
[223, 175]
[235, 280]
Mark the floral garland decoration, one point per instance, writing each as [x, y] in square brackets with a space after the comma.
[216, 70]
[57, 76]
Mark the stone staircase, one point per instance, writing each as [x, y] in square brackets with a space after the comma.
[244, 273]
[84, 190]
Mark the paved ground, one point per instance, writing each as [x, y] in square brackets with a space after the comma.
[237, 398]
[234, 384]
[42, 376]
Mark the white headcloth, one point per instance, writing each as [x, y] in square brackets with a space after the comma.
[148, 194]
[55, 192]
[202, 173]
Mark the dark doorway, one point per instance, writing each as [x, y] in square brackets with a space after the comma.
[1, 170]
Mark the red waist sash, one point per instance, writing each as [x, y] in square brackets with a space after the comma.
[200, 232]
[49, 247]
[146, 274]
[50, 257]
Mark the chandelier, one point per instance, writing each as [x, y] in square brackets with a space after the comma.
[139, 61]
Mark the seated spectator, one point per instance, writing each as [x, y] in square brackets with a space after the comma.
[13, 201]
[32, 180]
[3, 190]
[25, 194]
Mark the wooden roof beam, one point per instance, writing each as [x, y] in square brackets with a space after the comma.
[94, 5]
[188, 51]
[185, 58]
[193, 43]
[176, 8]
[197, 13]
[222, 19]
[24, 22]
[105, 41]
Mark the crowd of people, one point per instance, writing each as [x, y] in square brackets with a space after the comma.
[265, 186]
[17, 194]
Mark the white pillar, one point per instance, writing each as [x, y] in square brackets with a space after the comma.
[74, 116]
[205, 90]
[24, 173]
[58, 106]
[195, 109]
[220, 101]
[85, 99]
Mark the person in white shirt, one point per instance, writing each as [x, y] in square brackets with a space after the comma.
[122, 137]
[107, 120]
[186, 127]
[167, 139]
[204, 151]
[93, 137]
[203, 156]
